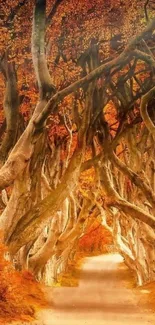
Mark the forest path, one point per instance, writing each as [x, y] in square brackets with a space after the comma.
[104, 296]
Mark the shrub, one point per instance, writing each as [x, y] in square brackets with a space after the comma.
[20, 294]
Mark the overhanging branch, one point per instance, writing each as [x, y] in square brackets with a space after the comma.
[106, 68]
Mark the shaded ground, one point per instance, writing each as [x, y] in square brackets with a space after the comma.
[104, 296]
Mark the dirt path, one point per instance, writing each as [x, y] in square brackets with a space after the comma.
[103, 296]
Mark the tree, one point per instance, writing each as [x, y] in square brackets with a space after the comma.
[95, 100]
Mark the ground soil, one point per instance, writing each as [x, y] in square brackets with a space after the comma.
[106, 295]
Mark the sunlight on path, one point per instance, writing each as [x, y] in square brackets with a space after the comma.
[102, 297]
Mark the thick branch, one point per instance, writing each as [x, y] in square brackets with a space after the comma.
[106, 68]
[35, 218]
[45, 84]
[42, 110]
[146, 57]
[11, 108]
[38, 260]
[32, 223]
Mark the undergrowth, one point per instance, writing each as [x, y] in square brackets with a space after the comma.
[20, 295]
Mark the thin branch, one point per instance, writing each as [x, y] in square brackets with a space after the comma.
[115, 200]
[145, 10]
[135, 178]
[15, 10]
[53, 12]
[144, 112]
[121, 60]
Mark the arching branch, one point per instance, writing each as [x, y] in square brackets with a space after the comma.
[115, 200]
[106, 68]
[135, 178]
[43, 110]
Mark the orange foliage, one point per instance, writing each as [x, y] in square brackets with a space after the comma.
[67, 37]
[20, 294]
[95, 239]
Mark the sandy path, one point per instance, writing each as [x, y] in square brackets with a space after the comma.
[102, 297]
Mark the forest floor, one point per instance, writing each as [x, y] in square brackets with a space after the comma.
[106, 295]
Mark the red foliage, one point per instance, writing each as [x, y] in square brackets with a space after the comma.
[20, 294]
